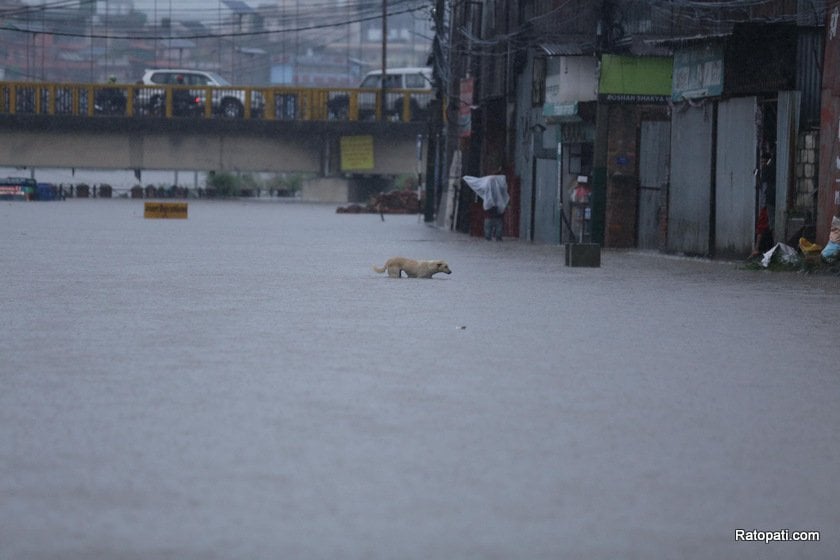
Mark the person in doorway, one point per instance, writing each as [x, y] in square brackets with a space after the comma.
[579, 197]
[768, 185]
[494, 214]
[766, 205]
[493, 191]
[580, 191]
[493, 223]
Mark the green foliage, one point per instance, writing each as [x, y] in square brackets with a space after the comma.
[289, 183]
[228, 184]
[407, 182]
[224, 183]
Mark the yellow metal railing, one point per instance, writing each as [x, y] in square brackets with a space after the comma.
[176, 101]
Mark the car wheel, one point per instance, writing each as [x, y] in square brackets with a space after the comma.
[232, 109]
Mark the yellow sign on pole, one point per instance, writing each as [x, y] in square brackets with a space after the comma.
[176, 210]
[356, 153]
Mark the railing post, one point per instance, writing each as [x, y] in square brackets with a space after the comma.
[91, 101]
[268, 107]
[307, 110]
[353, 110]
[129, 102]
[208, 103]
[51, 100]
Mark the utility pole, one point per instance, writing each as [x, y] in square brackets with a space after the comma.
[383, 112]
[603, 43]
[437, 149]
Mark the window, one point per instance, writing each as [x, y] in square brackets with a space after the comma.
[415, 81]
[197, 80]
[580, 159]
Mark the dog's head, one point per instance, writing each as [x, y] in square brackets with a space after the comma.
[441, 266]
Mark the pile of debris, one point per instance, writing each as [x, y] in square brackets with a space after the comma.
[393, 202]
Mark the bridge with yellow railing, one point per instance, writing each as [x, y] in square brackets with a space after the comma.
[170, 101]
[329, 131]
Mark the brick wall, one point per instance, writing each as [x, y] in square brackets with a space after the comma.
[622, 177]
[806, 172]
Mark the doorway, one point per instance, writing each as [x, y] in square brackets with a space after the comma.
[654, 155]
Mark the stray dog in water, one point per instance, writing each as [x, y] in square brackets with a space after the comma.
[413, 269]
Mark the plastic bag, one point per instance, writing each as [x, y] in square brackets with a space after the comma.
[781, 253]
[492, 189]
[831, 252]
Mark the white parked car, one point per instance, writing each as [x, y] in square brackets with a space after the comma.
[412, 78]
[228, 102]
[400, 78]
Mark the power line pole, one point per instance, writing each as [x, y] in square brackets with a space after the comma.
[383, 112]
[437, 145]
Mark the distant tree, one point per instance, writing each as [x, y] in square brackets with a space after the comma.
[407, 182]
[286, 184]
[224, 183]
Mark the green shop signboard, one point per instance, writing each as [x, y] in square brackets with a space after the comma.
[630, 79]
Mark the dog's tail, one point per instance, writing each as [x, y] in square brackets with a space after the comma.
[379, 270]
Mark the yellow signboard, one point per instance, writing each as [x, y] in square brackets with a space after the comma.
[177, 210]
[356, 153]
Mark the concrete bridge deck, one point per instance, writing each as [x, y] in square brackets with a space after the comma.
[292, 130]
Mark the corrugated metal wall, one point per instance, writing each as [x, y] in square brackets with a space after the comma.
[547, 215]
[735, 193]
[809, 53]
[536, 166]
[654, 154]
[690, 193]
[787, 126]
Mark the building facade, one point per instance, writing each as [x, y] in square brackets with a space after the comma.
[696, 125]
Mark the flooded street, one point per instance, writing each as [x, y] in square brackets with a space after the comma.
[242, 385]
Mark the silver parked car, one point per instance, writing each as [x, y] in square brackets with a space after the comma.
[228, 102]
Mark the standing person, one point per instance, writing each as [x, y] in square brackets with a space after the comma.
[766, 205]
[579, 196]
[494, 216]
[768, 184]
[493, 190]
[493, 223]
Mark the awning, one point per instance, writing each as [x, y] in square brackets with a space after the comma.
[561, 49]
[561, 112]
[690, 40]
